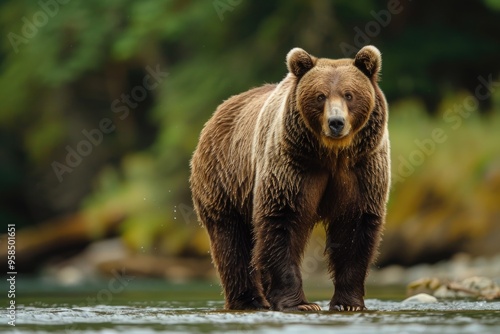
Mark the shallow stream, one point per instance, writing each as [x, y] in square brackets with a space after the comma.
[155, 306]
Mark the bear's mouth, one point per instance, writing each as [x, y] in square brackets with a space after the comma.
[335, 136]
[339, 140]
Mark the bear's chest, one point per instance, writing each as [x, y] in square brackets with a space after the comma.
[341, 194]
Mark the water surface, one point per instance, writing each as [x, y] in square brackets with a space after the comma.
[155, 307]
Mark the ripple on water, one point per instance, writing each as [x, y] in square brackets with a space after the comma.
[143, 317]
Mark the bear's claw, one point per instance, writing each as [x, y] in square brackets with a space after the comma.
[307, 307]
[347, 308]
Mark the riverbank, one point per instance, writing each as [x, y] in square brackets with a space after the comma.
[107, 258]
[459, 267]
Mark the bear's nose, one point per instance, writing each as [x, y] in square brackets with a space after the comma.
[336, 124]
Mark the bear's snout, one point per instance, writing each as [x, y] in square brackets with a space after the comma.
[336, 125]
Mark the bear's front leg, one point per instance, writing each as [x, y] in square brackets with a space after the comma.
[277, 254]
[353, 234]
[351, 244]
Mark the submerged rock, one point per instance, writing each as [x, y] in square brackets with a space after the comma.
[421, 298]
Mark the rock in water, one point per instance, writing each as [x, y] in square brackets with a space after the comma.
[421, 298]
[482, 286]
[425, 285]
[473, 287]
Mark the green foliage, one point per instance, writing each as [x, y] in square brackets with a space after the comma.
[493, 4]
[445, 192]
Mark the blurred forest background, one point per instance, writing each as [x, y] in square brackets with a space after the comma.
[102, 103]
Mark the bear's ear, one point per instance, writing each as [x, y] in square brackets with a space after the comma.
[369, 61]
[299, 62]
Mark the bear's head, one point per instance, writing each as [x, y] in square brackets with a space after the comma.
[335, 96]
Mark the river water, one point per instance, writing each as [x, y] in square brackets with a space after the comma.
[158, 307]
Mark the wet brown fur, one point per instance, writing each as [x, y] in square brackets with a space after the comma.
[266, 170]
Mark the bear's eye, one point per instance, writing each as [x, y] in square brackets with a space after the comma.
[321, 97]
[348, 96]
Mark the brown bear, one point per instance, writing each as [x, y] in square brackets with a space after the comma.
[275, 160]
